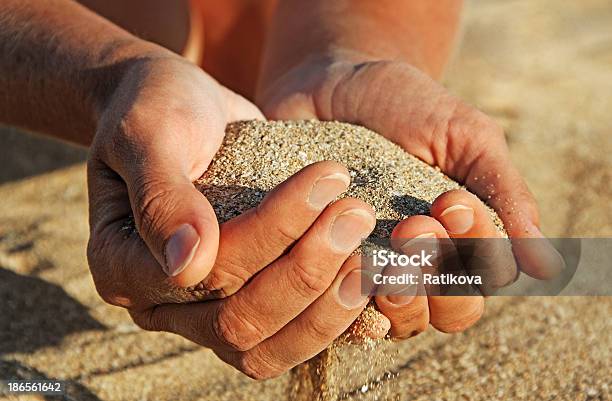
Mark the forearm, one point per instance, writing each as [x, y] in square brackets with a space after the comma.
[59, 63]
[419, 32]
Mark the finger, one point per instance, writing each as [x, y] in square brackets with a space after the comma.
[145, 283]
[261, 235]
[488, 255]
[305, 336]
[408, 311]
[370, 324]
[284, 289]
[452, 314]
[173, 218]
[409, 316]
[124, 270]
[108, 208]
[176, 222]
[107, 196]
[446, 313]
[496, 180]
[463, 215]
[311, 332]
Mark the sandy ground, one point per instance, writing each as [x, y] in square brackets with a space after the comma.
[543, 69]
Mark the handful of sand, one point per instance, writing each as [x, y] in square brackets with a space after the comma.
[258, 155]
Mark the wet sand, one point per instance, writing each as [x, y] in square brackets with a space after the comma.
[542, 70]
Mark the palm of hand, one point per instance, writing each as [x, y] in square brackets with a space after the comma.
[406, 106]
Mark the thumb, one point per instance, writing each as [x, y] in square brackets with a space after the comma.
[177, 223]
[238, 108]
[497, 181]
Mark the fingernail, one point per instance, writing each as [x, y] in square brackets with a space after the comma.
[409, 245]
[349, 291]
[350, 228]
[537, 256]
[327, 188]
[457, 219]
[180, 249]
[400, 300]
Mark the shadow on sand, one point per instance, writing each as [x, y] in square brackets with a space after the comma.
[24, 155]
[34, 314]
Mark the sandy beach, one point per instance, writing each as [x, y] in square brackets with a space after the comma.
[541, 69]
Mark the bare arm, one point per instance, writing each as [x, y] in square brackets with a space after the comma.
[158, 122]
[59, 63]
[420, 33]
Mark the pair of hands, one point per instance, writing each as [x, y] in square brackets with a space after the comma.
[258, 307]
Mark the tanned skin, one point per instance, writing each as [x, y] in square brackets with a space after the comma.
[274, 276]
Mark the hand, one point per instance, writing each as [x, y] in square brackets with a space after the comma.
[406, 106]
[276, 283]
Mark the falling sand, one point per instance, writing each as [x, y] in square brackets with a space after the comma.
[256, 156]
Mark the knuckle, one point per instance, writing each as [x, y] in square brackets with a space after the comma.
[258, 367]
[414, 330]
[104, 275]
[467, 120]
[465, 132]
[421, 327]
[111, 295]
[320, 330]
[280, 234]
[460, 123]
[489, 126]
[118, 142]
[308, 281]
[143, 319]
[382, 70]
[411, 321]
[236, 331]
[418, 315]
[520, 191]
[107, 295]
[223, 281]
[150, 319]
[421, 322]
[153, 204]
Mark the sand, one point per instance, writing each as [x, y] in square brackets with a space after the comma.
[541, 70]
[258, 155]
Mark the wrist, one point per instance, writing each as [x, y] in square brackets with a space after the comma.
[121, 64]
[421, 34]
[315, 64]
[315, 73]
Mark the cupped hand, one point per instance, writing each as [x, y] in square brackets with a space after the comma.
[408, 107]
[265, 290]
